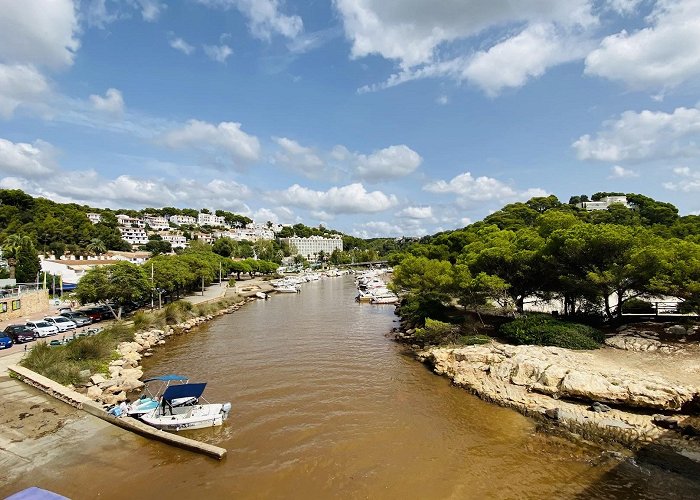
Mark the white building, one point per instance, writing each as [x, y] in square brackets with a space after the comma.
[203, 237]
[157, 223]
[175, 240]
[310, 247]
[604, 203]
[210, 220]
[240, 234]
[134, 235]
[183, 219]
[94, 218]
[126, 221]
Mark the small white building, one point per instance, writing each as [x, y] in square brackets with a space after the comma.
[94, 218]
[310, 247]
[157, 223]
[183, 219]
[175, 240]
[604, 203]
[204, 237]
[126, 221]
[134, 235]
[210, 220]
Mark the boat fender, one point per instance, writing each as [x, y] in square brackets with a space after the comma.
[226, 408]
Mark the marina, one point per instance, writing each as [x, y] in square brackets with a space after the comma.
[325, 404]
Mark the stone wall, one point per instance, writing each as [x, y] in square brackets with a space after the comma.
[26, 304]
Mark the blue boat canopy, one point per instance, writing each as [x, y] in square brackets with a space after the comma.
[183, 391]
[167, 378]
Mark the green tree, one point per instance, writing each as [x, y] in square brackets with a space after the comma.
[119, 283]
[472, 292]
[157, 247]
[22, 260]
[96, 247]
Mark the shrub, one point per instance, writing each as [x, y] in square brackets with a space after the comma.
[437, 332]
[637, 306]
[474, 339]
[541, 329]
[90, 348]
[144, 320]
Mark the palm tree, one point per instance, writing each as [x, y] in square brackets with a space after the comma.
[96, 247]
[12, 248]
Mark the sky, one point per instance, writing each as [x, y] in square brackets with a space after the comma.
[373, 117]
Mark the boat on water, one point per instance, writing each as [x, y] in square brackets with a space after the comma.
[168, 417]
[388, 298]
[153, 391]
[261, 295]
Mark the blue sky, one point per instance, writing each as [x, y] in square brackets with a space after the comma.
[375, 117]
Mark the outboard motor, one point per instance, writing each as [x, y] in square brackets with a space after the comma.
[226, 408]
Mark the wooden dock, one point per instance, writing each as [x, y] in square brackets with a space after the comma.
[84, 403]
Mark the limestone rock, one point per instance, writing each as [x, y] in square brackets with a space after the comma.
[94, 392]
[97, 378]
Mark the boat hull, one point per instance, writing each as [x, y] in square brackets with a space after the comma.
[188, 418]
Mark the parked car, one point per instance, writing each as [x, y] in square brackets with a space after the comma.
[42, 328]
[5, 342]
[78, 318]
[19, 333]
[93, 313]
[63, 323]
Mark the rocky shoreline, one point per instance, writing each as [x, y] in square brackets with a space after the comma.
[125, 372]
[576, 392]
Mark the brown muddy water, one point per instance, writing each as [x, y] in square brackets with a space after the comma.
[325, 405]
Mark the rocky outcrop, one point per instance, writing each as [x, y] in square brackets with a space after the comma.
[125, 373]
[565, 386]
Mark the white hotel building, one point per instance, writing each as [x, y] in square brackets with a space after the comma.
[183, 219]
[157, 223]
[210, 220]
[310, 247]
[134, 235]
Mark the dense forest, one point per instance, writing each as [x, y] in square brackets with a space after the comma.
[547, 249]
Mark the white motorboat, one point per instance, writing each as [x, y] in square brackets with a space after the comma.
[192, 416]
[153, 392]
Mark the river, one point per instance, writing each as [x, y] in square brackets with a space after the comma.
[326, 405]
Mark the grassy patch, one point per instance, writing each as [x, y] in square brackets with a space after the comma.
[542, 329]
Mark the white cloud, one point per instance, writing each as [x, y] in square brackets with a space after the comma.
[128, 191]
[301, 158]
[425, 212]
[226, 136]
[150, 9]
[688, 180]
[646, 135]
[410, 31]
[181, 45]
[218, 53]
[387, 163]
[527, 55]
[112, 102]
[350, 199]
[470, 189]
[28, 160]
[379, 229]
[442, 100]
[618, 172]
[662, 55]
[20, 84]
[38, 32]
[264, 17]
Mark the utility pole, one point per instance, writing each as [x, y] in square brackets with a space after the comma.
[152, 289]
[202, 285]
[220, 284]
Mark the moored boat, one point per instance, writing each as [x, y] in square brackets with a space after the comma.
[168, 417]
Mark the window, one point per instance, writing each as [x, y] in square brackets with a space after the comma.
[3, 307]
[16, 304]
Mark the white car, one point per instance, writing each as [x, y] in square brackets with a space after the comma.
[42, 328]
[61, 322]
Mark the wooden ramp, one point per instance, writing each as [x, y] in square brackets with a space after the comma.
[131, 424]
